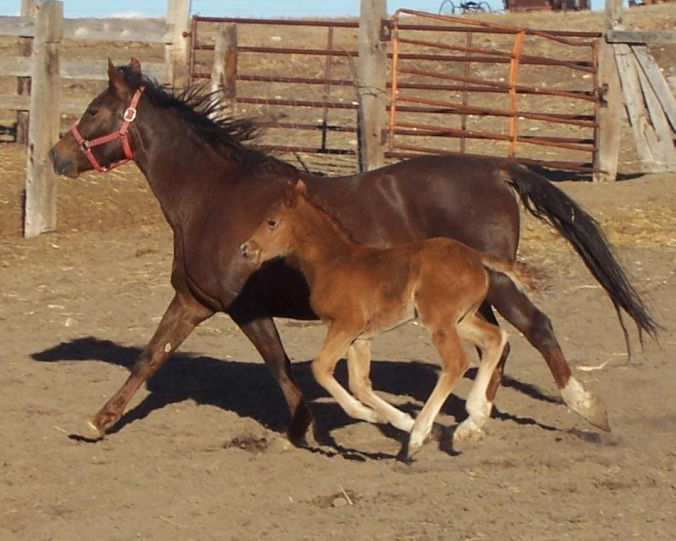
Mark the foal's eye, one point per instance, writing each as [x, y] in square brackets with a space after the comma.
[272, 223]
[92, 112]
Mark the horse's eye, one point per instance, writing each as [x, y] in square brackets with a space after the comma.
[272, 223]
[92, 112]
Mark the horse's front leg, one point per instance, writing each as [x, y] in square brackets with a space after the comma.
[264, 336]
[182, 316]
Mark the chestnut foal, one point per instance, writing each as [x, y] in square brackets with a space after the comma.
[360, 291]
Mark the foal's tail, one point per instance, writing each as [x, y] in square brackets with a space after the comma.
[548, 203]
[519, 273]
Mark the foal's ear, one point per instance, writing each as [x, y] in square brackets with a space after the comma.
[116, 81]
[290, 194]
[301, 188]
[135, 65]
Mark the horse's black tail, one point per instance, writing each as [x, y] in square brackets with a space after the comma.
[550, 204]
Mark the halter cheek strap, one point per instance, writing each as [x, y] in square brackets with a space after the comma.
[86, 145]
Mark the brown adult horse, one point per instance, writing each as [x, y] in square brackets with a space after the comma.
[214, 190]
[361, 291]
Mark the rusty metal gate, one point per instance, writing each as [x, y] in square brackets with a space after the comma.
[463, 85]
[456, 85]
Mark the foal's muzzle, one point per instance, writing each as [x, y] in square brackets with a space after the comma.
[250, 251]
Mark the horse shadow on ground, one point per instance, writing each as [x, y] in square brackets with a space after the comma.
[249, 390]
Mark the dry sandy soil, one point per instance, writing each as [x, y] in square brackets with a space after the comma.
[200, 454]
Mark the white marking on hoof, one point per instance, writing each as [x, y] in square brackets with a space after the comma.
[93, 429]
[167, 347]
[468, 430]
[586, 404]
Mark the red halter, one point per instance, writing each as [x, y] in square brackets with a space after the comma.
[86, 145]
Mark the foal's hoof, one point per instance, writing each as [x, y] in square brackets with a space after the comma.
[468, 430]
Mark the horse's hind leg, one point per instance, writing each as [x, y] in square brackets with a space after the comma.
[336, 343]
[491, 339]
[454, 363]
[182, 316]
[358, 368]
[536, 326]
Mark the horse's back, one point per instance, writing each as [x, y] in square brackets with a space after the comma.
[432, 196]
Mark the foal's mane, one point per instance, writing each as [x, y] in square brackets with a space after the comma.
[206, 114]
[335, 224]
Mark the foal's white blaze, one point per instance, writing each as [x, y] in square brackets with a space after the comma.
[167, 347]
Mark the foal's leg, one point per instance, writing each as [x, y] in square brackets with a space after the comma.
[335, 344]
[491, 340]
[454, 363]
[358, 368]
[517, 308]
[182, 316]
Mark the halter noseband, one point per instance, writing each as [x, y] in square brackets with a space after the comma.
[86, 145]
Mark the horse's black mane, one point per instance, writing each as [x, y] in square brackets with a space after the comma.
[206, 114]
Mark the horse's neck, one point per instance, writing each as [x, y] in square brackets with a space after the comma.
[319, 242]
[170, 162]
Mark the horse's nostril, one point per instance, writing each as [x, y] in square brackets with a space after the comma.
[243, 248]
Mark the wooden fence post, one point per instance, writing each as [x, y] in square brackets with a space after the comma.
[40, 209]
[23, 84]
[609, 116]
[372, 83]
[224, 70]
[176, 54]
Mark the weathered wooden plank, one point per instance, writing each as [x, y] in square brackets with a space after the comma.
[644, 134]
[609, 116]
[40, 209]
[224, 69]
[635, 37]
[372, 77]
[664, 149]
[29, 9]
[70, 106]
[658, 83]
[141, 30]
[176, 50]
[94, 70]
[17, 27]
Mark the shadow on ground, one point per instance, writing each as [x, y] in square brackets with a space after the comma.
[248, 389]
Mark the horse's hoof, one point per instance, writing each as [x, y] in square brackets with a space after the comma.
[585, 404]
[298, 427]
[468, 430]
[95, 431]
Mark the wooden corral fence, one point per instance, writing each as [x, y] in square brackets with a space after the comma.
[629, 70]
[41, 30]
[432, 91]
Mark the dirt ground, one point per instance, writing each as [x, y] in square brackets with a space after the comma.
[200, 454]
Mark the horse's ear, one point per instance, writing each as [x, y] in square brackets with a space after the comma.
[116, 81]
[290, 196]
[135, 65]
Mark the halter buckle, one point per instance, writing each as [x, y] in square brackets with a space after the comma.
[129, 114]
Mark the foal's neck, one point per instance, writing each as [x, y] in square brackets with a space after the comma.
[320, 241]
